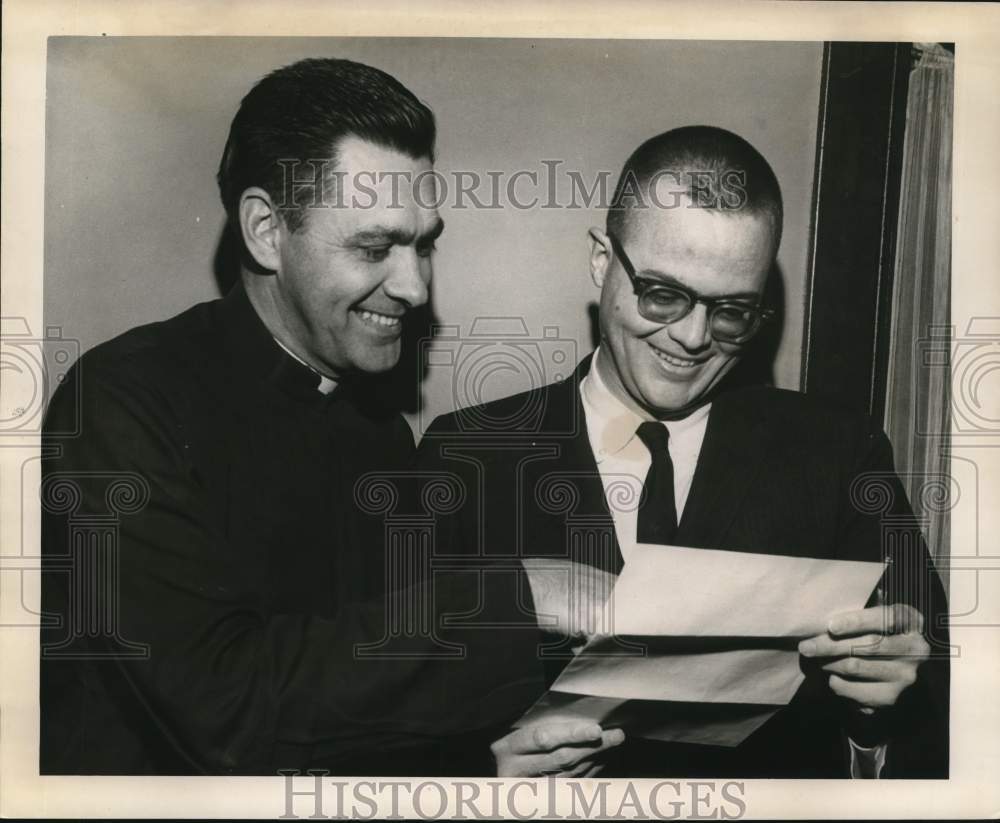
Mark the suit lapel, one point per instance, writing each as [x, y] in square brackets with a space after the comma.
[732, 455]
[576, 462]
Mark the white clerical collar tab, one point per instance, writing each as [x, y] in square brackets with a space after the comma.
[326, 384]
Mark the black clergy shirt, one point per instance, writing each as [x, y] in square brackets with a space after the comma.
[210, 572]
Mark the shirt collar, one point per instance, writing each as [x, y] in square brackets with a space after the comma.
[254, 352]
[611, 424]
[326, 384]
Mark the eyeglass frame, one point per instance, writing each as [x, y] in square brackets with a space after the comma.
[642, 285]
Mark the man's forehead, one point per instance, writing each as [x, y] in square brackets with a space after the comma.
[356, 160]
[353, 151]
[685, 228]
[711, 252]
[374, 188]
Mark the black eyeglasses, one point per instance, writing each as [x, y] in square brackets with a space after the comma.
[728, 320]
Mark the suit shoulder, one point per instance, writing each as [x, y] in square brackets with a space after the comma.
[793, 413]
[521, 412]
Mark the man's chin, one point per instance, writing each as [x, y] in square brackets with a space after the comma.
[681, 396]
[379, 364]
[675, 400]
[672, 407]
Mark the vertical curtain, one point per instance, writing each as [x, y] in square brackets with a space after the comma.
[918, 400]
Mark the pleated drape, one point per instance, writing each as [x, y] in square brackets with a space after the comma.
[918, 419]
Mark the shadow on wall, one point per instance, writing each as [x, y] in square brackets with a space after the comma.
[757, 366]
[398, 389]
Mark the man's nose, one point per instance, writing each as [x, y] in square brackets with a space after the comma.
[692, 331]
[409, 278]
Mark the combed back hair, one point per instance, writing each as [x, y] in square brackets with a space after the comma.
[715, 168]
[297, 115]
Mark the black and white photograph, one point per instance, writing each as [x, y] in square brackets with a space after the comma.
[500, 423]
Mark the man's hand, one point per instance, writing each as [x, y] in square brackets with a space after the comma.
[873, 653]
[569, 597]
[566, 749]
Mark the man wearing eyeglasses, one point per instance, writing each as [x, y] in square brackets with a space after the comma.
[659, 413]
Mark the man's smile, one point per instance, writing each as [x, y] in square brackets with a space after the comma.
[378, 320]
[673, 360]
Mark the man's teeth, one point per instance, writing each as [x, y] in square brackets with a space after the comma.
[381, 319]
[674, 361]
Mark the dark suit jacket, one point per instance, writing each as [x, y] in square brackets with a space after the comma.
[778, 473]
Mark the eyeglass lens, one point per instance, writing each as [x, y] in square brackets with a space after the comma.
[663, 304]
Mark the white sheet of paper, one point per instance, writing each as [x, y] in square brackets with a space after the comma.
[671, 591]
[711, 627]
[740, 675]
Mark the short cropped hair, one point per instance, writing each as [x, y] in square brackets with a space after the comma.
[298, 114]
[717, 170]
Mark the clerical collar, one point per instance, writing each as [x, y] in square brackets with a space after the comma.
[326, 384]
[612, 424]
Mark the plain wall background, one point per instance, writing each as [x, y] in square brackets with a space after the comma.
[135, 128]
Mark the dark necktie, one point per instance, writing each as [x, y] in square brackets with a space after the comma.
[657, 513]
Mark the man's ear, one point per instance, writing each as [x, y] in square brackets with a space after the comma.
[600, 255]
[261, 227]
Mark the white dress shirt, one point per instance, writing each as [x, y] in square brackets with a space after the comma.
[623, 461]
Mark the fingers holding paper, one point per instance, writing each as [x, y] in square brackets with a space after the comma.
[569, 597]
[564, 749]
[871, 655]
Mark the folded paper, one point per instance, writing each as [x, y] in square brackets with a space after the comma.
[703, 641]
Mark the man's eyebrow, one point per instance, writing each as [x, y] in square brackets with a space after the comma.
[381, 234]
[657, 276]
[391, 234]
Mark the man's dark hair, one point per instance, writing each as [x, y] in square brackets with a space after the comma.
[299, 113]
[716, 169]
